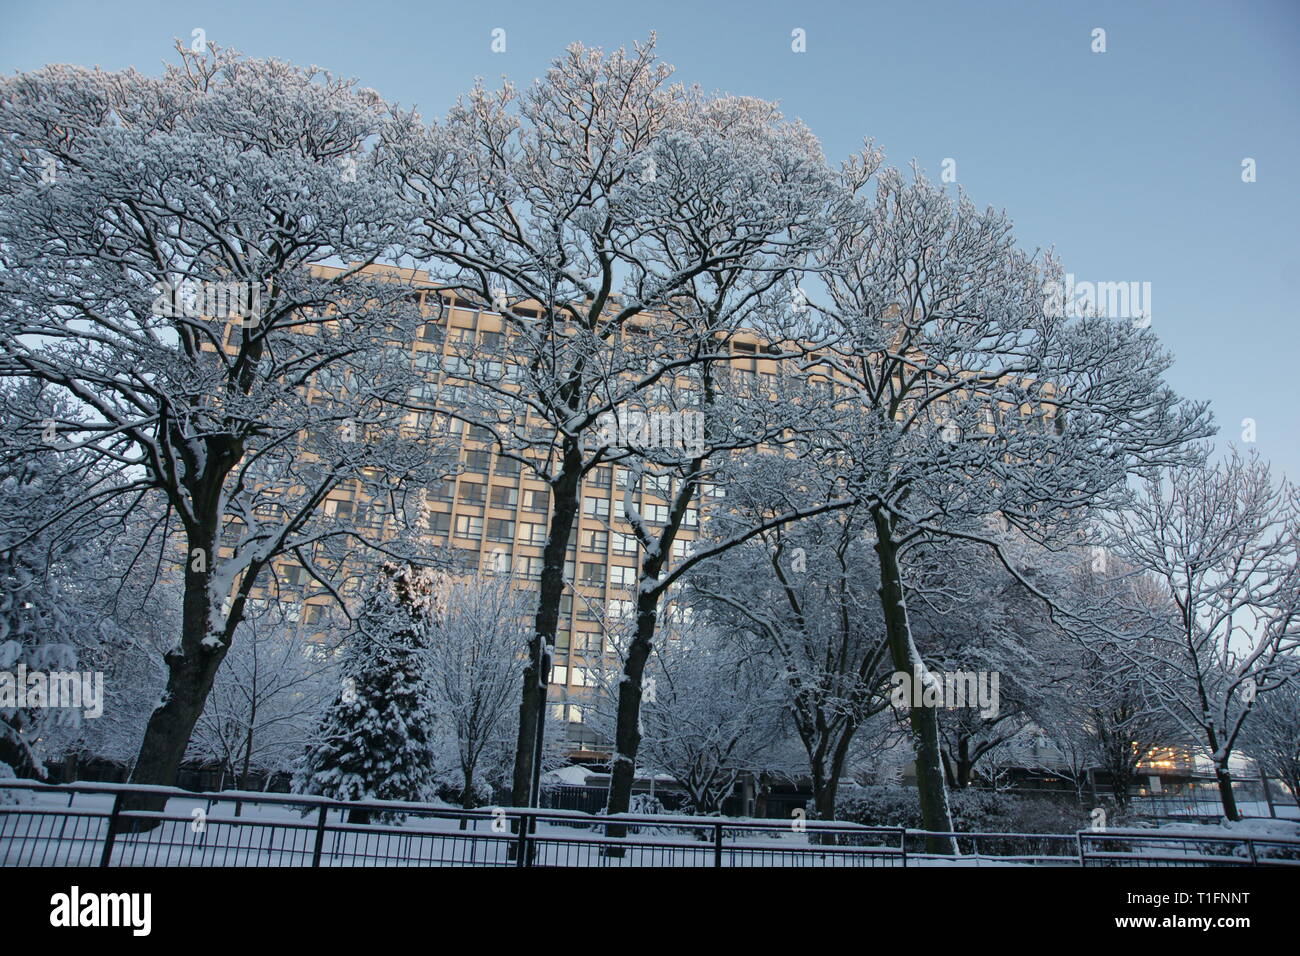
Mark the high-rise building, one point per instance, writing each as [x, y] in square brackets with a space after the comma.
[493, 514]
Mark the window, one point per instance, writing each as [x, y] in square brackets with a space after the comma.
[597, 542]
[439, 522]
[507, 467]
[428, 361]
[624, 544]
[501, 529]
[621, 577]
[656, 514]
[443, 490]
[529, 567]
[620, 609]
[477, 461]
[473, 494]
[469, 526]
[294, 576]
[432, 332]
[537, 500]
[503, 497]
[681, 549]
[602, 477]
[659, 485]
[492, 340]
[420, 421]
[339, 509]
[691, 518]
[534, 534]
[593, 574]
[596, 507]
[425, 393]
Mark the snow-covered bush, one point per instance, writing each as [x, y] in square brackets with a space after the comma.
[8, 796]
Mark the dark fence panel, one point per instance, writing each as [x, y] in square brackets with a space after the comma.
[89, 824]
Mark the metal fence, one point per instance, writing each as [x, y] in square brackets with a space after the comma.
[1165, 848]
[88, 824]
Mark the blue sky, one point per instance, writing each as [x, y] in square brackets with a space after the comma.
[1128, 162]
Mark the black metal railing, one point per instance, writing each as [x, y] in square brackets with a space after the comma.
[97, 824]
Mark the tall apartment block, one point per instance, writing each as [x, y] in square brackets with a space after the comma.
[494, 515]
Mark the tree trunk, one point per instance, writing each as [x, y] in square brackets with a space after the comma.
[1229, 798]
[532, 703]
[824, 792]
[760, 800]
[191, 669]
[189, 678]
[924, 721]
[467, 800]
[627, 733]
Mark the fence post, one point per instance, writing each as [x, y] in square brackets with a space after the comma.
[1078, 839]
[717, 844]
[521, 853]
[1250, 848]
[902, 844]
[111, 835]
[320, 835]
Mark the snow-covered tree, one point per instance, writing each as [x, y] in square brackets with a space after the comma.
[51, 556]
[1095, 706]
[1273, 734]
[475, 658]
[1222, 540]
[969, 616]
[794, 595]
[169, 251]
[975, 403]
[584, 210]
[377, 739]
[267, 698]
[710, 712]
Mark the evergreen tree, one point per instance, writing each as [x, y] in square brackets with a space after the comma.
[375, 740]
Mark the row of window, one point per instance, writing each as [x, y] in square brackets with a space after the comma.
[531, 533]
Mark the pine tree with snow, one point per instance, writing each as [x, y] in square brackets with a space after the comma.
[376, 739]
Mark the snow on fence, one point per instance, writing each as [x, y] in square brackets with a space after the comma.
[89, 824]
